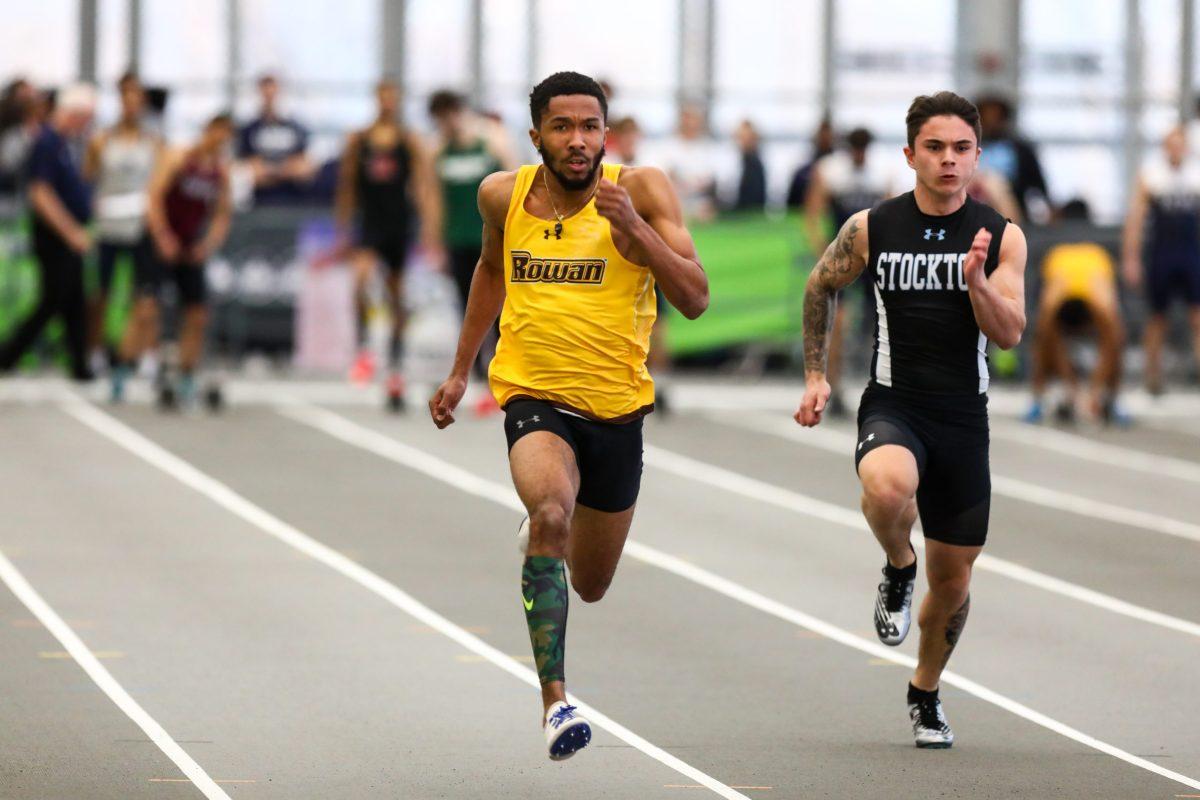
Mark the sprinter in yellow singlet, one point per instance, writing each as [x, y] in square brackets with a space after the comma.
[572, 251]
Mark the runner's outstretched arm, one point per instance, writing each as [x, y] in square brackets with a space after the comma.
[840, 266]
[485, 299]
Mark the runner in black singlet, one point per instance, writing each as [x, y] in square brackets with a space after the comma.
[948, 277]
[387, 176]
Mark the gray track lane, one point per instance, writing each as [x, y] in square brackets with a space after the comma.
[740, 695]
[277, 669]
[1140, 566]
[59, 735]
[1057, 654]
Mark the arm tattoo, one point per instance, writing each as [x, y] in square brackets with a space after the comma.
[954, 628]
[837, 268]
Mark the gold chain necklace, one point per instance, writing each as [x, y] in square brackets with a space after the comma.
[558, 225]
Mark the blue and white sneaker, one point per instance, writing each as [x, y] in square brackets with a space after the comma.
[523, 536]
[566, 731]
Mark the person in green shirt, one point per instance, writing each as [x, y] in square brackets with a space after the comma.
[470, 149]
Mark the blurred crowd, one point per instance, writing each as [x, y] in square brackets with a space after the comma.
[119, 190]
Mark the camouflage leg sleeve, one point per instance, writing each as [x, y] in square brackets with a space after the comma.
[544, 592]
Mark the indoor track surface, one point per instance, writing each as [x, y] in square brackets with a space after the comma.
[304, 597]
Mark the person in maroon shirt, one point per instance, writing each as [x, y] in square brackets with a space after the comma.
[188, 215]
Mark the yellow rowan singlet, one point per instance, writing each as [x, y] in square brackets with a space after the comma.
[575, 328]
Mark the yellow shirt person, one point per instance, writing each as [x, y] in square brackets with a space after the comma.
[575, 329]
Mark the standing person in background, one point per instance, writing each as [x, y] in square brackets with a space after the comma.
[1167, 196]
[822, 145]
[61, 207]
[1078, 296]
[188, 215]
[841, 184]
[752, 180]
[691, 159]
[1010, 155]
[119, 163]
[276, 149]
[466, 155]
[18, 129]
[387, 176]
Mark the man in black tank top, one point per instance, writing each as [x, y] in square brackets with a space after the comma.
[949, 275]
[388, 181]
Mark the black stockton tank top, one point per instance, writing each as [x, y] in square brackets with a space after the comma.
[926, 339]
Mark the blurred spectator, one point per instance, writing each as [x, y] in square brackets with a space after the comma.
[469, 150]
[387, 180]
[842, 184]
[624, 137]
[1011, 156]
[275, 148]
[61, 207]
[18, 129]
[991, 188]
[118, 163]
[1167, 196]
[822, 145]
[1078, 300]
[188, 212]
[691, 159]
[752, 179]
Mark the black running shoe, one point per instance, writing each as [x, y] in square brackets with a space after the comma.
[893, 608]
[929, 724]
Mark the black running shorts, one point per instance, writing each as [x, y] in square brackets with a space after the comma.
[188, 276]
[950, 443]
[609, 455]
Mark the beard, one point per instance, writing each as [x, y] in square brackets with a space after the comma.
[572, 184]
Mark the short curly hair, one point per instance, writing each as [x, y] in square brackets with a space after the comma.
[561, 83]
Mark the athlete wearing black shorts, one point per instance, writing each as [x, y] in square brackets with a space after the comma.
[1165, 210]
[387, 179]
[609, 454]
[948, 276]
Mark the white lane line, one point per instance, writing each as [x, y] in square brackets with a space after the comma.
[1070, 444]
[843, 444]
[233, 502]
[692, 469]
[105, 681]
[352, 433]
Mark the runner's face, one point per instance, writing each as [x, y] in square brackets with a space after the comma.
[571, 139]
[944, 155]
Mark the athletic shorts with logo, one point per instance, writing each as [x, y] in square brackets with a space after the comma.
[949, 440]
[608, 454]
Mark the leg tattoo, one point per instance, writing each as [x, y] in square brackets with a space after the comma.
[544, 593]
[954, 628]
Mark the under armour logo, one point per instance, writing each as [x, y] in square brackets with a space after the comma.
[870, 438]
[940, 234]
[546, 234]
[534, 418]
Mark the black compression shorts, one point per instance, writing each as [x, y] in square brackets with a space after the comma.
[950, 444]
[609, 455]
